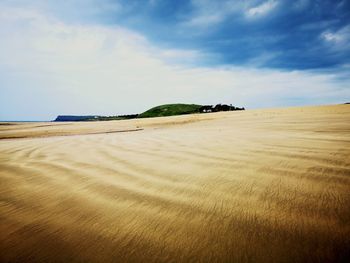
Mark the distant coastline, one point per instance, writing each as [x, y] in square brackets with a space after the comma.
[2, 122]
[158, 111]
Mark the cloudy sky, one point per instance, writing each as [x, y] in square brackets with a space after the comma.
[111, 57]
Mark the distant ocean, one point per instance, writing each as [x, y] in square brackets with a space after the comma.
[24, 121]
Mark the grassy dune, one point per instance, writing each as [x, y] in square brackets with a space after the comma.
[253, 186]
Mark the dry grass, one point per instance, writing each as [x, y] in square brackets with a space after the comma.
[254, 186]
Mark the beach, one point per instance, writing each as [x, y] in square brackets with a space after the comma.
[268, 185]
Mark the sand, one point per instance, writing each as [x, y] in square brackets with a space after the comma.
[254, 186]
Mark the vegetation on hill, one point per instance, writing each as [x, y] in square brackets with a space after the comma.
[170, 110]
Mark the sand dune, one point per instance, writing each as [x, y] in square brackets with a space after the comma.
[255, 186]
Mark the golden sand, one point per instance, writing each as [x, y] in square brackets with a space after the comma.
[254, 186]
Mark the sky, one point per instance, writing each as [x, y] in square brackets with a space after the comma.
[110, 57]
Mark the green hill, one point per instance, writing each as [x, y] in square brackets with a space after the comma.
[170, 110]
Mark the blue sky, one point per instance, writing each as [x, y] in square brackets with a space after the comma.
[117, 56]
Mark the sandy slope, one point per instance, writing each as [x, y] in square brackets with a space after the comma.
[254, 186]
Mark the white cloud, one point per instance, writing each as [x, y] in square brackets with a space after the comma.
[261, 9]
[48, 67]
[205, 20]
[332, 37]
[209, 13]
[337, 41]
[340, 38]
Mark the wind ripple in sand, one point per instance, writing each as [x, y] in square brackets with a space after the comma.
[230, 189]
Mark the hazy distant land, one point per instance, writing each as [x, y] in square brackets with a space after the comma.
[245, 186]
